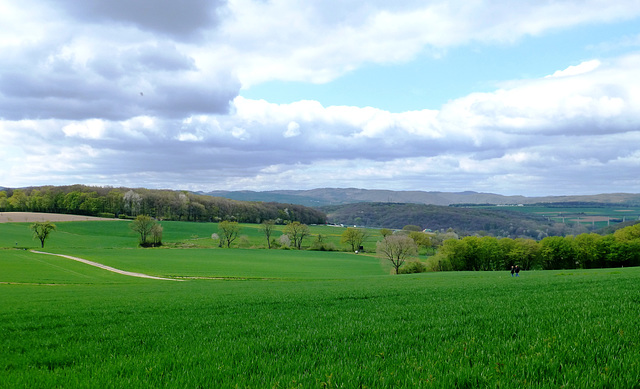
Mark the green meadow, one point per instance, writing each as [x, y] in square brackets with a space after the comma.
[256, 318]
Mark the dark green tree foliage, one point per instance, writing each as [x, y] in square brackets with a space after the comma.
[158, 204]
[466, 221]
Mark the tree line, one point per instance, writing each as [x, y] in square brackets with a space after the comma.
[584, 251]
[158, 204]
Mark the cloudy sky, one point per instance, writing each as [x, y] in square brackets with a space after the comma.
[534, 97]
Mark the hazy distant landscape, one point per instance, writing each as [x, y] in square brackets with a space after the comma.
[337, 196]
[467, 213]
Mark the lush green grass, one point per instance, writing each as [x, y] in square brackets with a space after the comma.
[545, 329]
[302, 319]
[230, 263]
[110, 234]
[98, 234]
[21, 266]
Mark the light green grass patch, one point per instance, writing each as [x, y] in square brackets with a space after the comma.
[21, 266]
[230, 263]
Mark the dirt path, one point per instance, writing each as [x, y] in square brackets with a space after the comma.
[105, 267]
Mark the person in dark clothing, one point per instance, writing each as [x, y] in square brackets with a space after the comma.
[517, 270]
[513, 270]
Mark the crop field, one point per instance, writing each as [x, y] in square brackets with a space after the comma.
[254, 318]
[594, 216]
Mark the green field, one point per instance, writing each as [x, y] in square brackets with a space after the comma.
[116, 233]
[288, 319]
[597, 217]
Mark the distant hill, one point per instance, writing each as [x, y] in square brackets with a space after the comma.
[466, 221]
[337, 196]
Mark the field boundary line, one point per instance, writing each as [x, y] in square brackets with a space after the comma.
[105, 267]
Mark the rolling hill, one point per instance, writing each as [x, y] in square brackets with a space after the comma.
[337, 196]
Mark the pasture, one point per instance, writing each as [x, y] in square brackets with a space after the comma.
[286, 319]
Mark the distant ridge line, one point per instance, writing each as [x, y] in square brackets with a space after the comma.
[338, 196]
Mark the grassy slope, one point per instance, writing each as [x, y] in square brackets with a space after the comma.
[360, 328]
[110, 234]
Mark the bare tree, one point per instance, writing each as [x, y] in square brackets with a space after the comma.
[396, 249]
[267, 228]
[156, 234]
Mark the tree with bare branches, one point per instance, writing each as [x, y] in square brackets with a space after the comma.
[396, 249]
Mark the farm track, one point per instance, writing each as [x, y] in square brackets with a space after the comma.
[105, 267]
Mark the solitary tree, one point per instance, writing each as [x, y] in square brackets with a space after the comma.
[144, 225]
[396, 249]
[41, 231]
[296, 232]
[228, 232]
[267, 228]
[353, 237]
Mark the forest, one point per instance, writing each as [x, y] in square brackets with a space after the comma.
[465, 221]
[159, 204]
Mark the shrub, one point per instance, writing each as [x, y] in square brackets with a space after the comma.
[438, 262]
[413, 267]
[284, 241]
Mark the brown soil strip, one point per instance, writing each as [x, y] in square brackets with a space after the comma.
[31, 217]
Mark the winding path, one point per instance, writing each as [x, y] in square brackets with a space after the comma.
[105, 267]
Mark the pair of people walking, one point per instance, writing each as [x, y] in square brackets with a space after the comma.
[515, 270]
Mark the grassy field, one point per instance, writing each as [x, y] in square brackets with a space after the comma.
[287, 319]
[116, 233]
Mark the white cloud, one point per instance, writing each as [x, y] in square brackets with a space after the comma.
[101, 93]
[90, 129]
[586, 124]
[584, 67]
[293, 129]
[289, 40]
[188, 137]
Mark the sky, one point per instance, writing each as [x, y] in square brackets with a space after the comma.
[534, 97]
